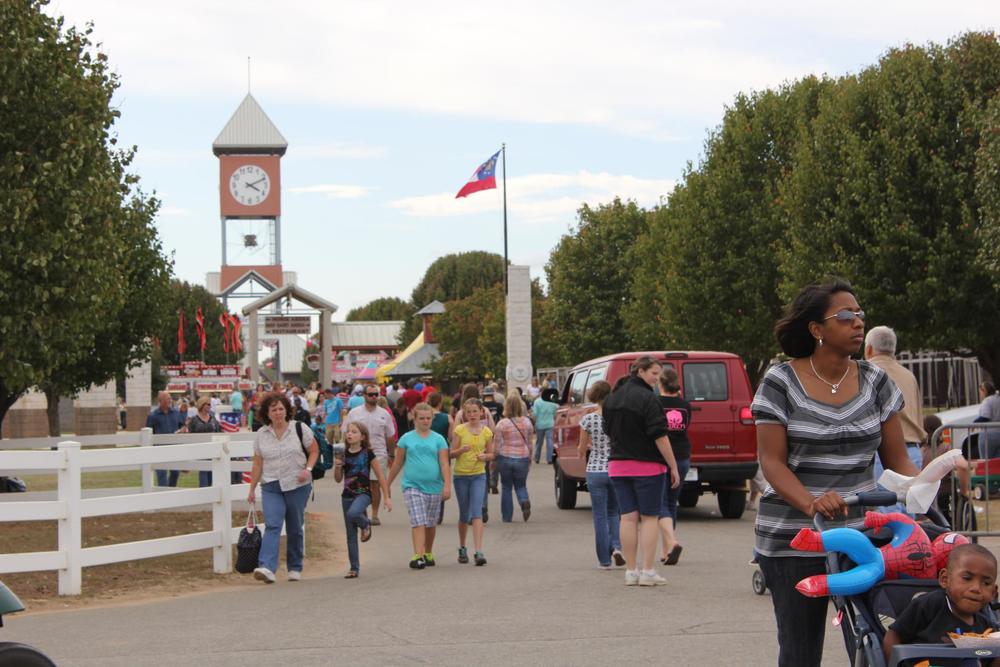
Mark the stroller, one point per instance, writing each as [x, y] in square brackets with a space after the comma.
[864, 617]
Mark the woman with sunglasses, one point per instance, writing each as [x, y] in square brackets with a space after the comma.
[821, 417]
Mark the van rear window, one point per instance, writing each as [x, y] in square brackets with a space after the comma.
[705, 382]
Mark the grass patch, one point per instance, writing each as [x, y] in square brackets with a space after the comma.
[164, 576]
[104, 480]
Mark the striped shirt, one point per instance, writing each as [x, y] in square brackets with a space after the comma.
[512, 437]
[830, 448]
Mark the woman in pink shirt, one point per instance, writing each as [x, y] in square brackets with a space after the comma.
[512, 436]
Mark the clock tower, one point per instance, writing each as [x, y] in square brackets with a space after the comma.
[249, 149]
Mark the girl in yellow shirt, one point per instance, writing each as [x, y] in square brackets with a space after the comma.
[472, 447]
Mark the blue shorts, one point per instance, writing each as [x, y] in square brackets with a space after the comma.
[470, 491]
[644, 494]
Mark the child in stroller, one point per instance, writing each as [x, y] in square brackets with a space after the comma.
[863, 617]
[968, 585]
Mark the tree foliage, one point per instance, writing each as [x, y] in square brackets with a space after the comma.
[450, 278]
[387, 308]
[590, 277]
[75, 230]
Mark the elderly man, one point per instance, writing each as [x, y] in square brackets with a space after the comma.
[165, 419]
[880, 349]
[381, 435]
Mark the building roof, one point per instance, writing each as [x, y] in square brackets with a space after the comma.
[297, 293]
[416, 363]
[359, 335]
[433, 308]
[249, 131]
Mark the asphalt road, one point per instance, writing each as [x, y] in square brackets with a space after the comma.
[539, 600]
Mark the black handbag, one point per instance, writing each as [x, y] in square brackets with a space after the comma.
[248, 545]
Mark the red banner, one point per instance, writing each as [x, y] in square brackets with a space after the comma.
[224, 321]
[199, 319]
[237, 343]
[181, 345]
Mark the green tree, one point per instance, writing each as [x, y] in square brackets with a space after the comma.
[589, 275]
[187, 298]
[706, 273]
[71, 217]
[884, 195]
[988, 190]
[387, 308]
[449, 278]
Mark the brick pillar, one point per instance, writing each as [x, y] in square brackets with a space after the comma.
[27, 417]
[138, 395]
[519, 370]
[96, 410]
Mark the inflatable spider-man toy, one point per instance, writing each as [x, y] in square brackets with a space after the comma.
[908, 556]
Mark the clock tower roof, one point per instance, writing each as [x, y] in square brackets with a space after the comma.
[249, 131]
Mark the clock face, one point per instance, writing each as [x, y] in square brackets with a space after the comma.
[249, 185]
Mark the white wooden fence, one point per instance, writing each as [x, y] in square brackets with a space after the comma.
[70, 460]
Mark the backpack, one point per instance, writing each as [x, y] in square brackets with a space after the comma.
[325, 460]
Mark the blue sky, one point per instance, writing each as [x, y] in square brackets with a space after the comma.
[388, 107]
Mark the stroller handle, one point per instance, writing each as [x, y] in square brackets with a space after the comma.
[866, 498]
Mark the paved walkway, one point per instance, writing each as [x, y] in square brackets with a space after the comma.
[540, 600]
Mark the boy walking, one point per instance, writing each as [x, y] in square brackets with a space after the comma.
[422, 456]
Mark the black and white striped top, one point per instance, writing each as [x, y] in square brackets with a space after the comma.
[830, 448]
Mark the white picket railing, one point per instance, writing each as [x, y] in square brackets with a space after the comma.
[69, 460]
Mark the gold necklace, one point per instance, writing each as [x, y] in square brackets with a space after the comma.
[834, 386]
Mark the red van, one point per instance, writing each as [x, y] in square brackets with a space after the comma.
[722, 434]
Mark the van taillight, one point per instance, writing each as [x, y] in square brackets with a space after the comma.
[746, 417]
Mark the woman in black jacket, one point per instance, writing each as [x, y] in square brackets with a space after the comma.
[204, 421]
[641, 459]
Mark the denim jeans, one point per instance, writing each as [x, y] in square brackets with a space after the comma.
[354, 519]
[801, 620]
[670, 494]
[162, 477]
[470, 491]
[513, 477]
[913, 451]
[288, 507]
[546, 435]
[604, 507]
[204, 478]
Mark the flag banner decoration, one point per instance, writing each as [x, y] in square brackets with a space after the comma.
[237, 344]
[181, 344]
[484, 178]
[224, 321]
[199, 319]
[229, 421]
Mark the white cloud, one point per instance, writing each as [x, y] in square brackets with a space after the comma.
[333, 190]
[541, 198]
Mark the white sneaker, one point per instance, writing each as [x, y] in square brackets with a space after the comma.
[631, 577]
[651, 578]
[264, 574]
[294, 575]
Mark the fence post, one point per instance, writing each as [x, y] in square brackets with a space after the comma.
[70, 532]
[222, 509]
[146, 440]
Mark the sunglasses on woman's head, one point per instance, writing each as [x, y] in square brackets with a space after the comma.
[846, 315]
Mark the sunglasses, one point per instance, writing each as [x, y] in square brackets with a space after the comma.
[846, 315]
[372, 395]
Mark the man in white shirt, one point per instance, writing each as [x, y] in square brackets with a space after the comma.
[381, 435]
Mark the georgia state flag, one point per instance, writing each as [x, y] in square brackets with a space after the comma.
[484, 178]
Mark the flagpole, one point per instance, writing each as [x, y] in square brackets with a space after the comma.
[503, 155]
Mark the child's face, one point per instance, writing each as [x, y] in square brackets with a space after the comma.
[353, 435]
[422, 420]
[971, 583]
[472, 412]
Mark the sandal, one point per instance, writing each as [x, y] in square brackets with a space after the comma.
[673, 556]
[366, 534]
[353, 574]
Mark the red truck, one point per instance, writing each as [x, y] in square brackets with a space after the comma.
[722, 434]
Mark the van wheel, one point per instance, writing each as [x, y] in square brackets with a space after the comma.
[21, 655]
[732, 503]
[688, 497]
[565, 489]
